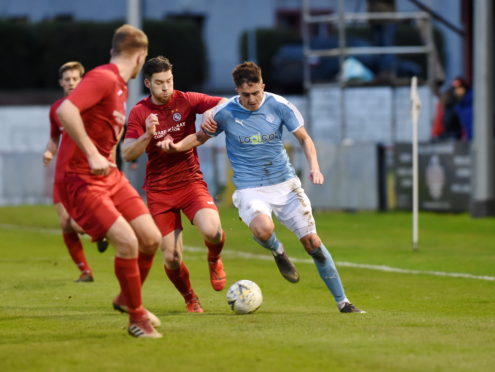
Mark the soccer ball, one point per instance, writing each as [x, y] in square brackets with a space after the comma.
[244, 297]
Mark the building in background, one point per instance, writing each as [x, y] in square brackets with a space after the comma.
[223, 21]
[373, 115]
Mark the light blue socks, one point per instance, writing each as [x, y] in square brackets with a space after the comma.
[271, 244]
[328, 272]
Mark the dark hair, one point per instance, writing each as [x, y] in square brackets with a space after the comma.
[72, 65]
[128, 39]
[247, 72]
[459, 81]
[156, 64]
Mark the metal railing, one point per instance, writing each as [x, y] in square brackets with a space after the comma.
[341, 19]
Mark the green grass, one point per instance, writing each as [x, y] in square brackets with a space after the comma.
[414, 322]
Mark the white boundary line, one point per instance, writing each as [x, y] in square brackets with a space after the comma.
[267, 257]
[41, 230]
[351, 264]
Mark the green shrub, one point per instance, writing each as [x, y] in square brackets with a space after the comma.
[19, 61]
[36, 50]
[182, 43]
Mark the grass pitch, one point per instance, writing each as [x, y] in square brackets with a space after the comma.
[417, 320]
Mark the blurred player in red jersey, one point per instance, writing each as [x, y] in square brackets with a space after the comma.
[70, 74]
[97, 195]
[174, 182]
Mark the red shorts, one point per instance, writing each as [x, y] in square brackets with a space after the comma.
[60, 194]
[95, 202]
[165, 206]
[58, 185]
[56, 193]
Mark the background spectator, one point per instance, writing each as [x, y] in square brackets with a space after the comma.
[454, 113]
[464, 106]
[446, 124]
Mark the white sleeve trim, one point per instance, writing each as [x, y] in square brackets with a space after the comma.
[217, 108]
[291, 107]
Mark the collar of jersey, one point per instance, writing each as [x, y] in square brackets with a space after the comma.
[261, 104]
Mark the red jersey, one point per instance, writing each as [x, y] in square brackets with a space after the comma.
[56, 131]
[100, 97]
[177, 118]
[55, 125]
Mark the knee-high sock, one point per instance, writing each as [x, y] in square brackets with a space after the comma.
[328, 272]
[127, 272]
[76, 251]
[144, 262]
[180, 278]
[271, 244]
[214, 249]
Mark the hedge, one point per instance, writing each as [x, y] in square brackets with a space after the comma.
[34, 51]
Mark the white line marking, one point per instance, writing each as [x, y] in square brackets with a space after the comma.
[352, 264]
[35, 229]
[41, 230]
[266, 257]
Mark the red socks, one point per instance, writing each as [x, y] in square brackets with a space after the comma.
[144, 262]
[76, 251]
[127, 272]
[180, 278]
[215, 249]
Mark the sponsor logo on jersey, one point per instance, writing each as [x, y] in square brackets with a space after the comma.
[239, 121]
[164, 132]
[259, 138]
[177, 116]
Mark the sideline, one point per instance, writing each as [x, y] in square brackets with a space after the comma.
[266, 257]
[384, 268]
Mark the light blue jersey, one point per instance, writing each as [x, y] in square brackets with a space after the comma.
[254, 140]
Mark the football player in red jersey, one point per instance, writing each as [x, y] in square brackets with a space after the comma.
[97, 195]
[174, 182]
[70, 74]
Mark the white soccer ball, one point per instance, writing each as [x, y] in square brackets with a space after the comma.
[244, 297]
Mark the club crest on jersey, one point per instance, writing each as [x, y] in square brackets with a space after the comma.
[270, 118]
[177, 116]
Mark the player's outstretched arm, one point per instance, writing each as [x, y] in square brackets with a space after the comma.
[71, 119]
[133, 148]
[208, 122]
[191, 141]
[310, 152]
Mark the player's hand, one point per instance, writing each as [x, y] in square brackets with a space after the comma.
[168, 145]
[99, 165]
[151, 123]
[208, 124]
[47, 157]
[316, 177]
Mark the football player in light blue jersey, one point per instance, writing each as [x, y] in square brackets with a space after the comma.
[254, 139]
[265, 180]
